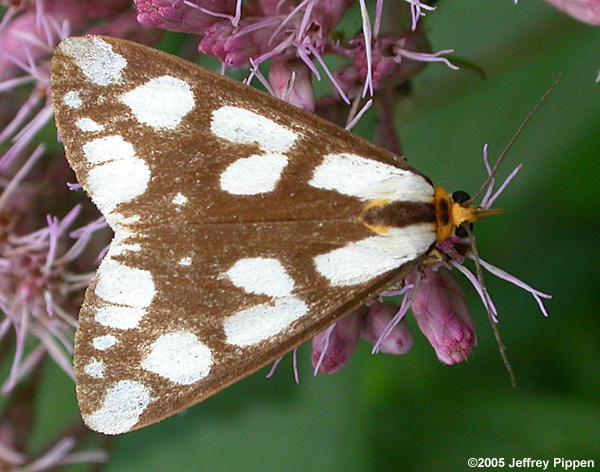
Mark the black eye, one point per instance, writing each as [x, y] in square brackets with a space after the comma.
[461, 232]
[460, 196]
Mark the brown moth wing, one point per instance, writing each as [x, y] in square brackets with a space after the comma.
[178, 232]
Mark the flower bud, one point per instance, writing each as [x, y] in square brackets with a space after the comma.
[291, 82]
[441, 311]
[395, 59]
[332, 348]
[398, 341]
[233, 48]
[176, 15]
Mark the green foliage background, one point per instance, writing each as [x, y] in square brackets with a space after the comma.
[411, 413]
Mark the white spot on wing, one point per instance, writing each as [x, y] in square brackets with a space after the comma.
[94, 369]
[106, 149]
[185, 261]
[262, 276]
[370, 180]
[118, 283]
[88, 125]
[256, 324]
[95, 58]
[116, 220]
[72, 99]
[121, 408]
[180, 199]
[120, 317]
[363, 260]
[253, 175]
[245, 127]
[179, 357]
[117, 182]
[118, 248]
[160, 103]
[102, 343]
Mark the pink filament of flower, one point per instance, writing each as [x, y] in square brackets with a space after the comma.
[409, 293]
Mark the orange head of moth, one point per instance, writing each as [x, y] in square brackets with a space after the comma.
[453, 213]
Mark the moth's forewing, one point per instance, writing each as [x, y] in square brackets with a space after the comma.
[156, 333]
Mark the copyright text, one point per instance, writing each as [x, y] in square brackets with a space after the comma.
[556, 463]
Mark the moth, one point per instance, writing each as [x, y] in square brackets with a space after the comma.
[243, 226]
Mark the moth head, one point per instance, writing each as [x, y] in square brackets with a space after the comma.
[454, 214]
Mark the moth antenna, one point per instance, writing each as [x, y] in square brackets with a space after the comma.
[495, 330]
[514, 138]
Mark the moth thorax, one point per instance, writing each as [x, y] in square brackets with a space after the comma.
[382, 215]
[450, 215]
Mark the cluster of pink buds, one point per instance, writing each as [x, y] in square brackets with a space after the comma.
[332, 348]
[296, 37]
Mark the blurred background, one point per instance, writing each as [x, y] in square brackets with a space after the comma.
[411, 412]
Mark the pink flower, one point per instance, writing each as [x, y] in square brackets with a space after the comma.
[394, 60]
[397, 341]
[277, 30]
[41, 277]
[441, 311]
[39, 290]
[586, 11]
[236, 46]
[332, 348]
[28, 35]
[291, 82]
[181, 16]
[12, 38]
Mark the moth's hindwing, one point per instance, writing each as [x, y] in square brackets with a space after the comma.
[237, 227]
